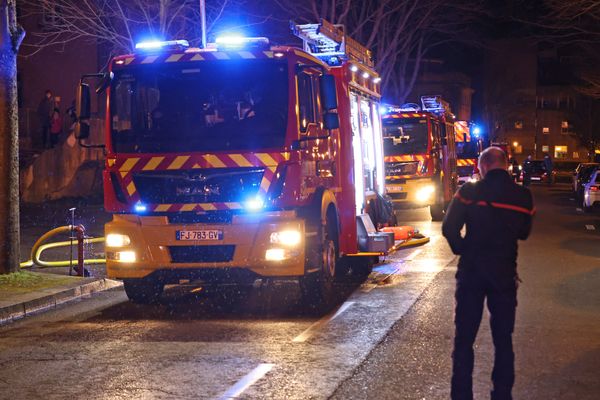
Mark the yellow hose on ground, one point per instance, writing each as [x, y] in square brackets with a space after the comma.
[38, 248]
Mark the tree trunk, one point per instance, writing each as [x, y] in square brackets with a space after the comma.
[10, 37]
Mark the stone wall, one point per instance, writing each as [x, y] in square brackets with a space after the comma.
[67, 170]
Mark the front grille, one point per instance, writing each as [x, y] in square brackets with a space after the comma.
[398, 196]
[212, 217]
[401, 168]
[214, 185]
[201, 254]
[466, 170]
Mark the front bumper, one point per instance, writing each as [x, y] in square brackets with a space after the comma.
[412, 193]
[242, 245]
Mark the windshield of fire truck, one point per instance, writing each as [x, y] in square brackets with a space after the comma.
[204, 106]
[405, 136]
[467, 150]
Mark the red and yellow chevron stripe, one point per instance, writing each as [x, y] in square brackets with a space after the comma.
[461, 131]
[404, 115]
[136, 59]
[405, 157]
[461, 162]
[126, 166]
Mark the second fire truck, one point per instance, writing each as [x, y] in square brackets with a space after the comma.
[420, 156]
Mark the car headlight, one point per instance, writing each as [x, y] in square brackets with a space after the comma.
[286, 238]
[117, 240]
[425, 193]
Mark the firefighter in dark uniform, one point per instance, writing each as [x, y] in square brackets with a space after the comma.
[497, 213]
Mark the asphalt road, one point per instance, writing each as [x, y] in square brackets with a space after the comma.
[382, 341]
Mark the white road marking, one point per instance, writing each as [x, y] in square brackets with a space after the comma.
[248, 380]
[579, 209]
[590, 227]
[304, 336]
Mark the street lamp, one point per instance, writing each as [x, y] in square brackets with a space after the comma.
[515, 144]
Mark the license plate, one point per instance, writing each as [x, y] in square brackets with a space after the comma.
[394, 188]
[535, 178]
[199, 235]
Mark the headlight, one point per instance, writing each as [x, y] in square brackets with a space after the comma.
[275, 255]
[117, 240]
[122, 256]
[286, 238]
[425, 193]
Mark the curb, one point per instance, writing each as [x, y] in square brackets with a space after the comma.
[18, 311]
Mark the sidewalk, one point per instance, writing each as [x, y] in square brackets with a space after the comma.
[25, 293]
[36, 289]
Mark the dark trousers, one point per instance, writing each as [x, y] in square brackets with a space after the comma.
[471, 291]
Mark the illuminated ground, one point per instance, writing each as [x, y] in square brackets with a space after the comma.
[382, 341]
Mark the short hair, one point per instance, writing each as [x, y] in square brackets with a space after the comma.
[493, 157]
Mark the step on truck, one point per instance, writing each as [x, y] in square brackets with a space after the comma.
[240, 161]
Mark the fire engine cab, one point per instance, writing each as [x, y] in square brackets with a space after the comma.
[240, 161]
[420, 156]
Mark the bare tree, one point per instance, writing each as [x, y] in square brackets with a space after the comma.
[11, 35]
[400, 32]
[119, 24]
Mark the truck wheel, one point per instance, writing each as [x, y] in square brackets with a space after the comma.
[317, 288]
[144, 290]
[437, 212]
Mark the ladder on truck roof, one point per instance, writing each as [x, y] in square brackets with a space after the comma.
[329, 43]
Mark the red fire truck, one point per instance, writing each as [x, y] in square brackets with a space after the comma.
[420, 157]
[240, 161]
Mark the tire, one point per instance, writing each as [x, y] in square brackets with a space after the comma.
[317, 288]
[144, 290]
[437, 212]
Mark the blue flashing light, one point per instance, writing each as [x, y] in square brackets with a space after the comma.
[158, 45]
[476, 131]
[140, 208]
[238, 41]
[254, 204]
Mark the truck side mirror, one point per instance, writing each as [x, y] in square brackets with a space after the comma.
[82, 130]
[328, 92]
[331, 120]
[82, 104]
[82, 111]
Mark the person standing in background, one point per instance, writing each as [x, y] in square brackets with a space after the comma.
[549, 168]
[44, 112]
[527, 170]
[56, 127]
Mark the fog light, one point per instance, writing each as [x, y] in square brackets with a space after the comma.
[286, 238]
[275, 255]
[125, 256]
[425, 193]
[117, 240]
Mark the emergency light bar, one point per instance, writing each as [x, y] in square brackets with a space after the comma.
[241, 41]
[159, 45]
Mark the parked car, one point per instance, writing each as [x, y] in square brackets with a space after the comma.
[591, 191]
[538, 171]
[565, 170]
[582, 172]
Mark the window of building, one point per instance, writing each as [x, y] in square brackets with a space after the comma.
[305, 101]
[546, 130]
[518, 124]
[566, 127]
[575, 154]
[518, 149]
[560, 152]
[545, 148]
